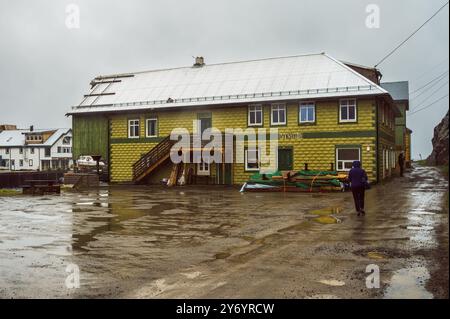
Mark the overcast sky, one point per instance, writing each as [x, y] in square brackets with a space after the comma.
[46, 67]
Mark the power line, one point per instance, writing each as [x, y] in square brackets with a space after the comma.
[428, 88]
[429, 105]
[439, 77]
[433, 93]
[412, 34]
[430, 69]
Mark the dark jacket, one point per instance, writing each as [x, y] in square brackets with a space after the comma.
[357, 176]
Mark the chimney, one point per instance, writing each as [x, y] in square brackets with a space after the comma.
[199, 61]
[31, 128]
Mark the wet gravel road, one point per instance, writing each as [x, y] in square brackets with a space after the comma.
[214, 242]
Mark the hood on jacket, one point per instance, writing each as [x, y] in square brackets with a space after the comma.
[357, 164]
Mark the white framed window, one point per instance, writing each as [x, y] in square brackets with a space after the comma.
[30, 162]
[20, 163]
[133, 128]
[252, 160]
[32, 150]
[7, 151]
[345, 157]
[307, 112]
[255, 115]
[347, 110]
[151, 127]
[20, 150]
[203, 168]
[278, 114]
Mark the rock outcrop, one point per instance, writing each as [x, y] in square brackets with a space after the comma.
[439, 155]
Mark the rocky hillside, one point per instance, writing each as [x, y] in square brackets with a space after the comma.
[439, 155]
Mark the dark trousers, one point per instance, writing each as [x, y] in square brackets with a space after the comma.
[358, 197]
[402, 167]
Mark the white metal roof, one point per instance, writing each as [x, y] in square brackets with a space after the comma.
[283, 78]
[11, 138]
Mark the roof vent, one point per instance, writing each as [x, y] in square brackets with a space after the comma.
[199, 61]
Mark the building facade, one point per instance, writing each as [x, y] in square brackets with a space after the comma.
[327, 114]
[35, 150]
[400, 94]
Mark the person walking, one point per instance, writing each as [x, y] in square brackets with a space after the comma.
[401, 163]
[358, 183]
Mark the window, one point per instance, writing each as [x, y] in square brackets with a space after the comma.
[278, 112]
[152, 127]
[252, 160]
[59, 149]
[255, 115]
[7, 151]
[347, 111]
[203, 168]
[30, 162]
[66, 140]
[32, 150]
[345, 157]
[21, 150]
[20, 163]
[307, 113]
[47, 151]
[133, 128]
[387, 158]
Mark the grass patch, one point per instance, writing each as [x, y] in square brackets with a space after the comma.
[421, 162]
[9, 192]
[444, 170]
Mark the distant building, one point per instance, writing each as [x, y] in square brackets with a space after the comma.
[7, 127]
[400, 94]
[35, 150]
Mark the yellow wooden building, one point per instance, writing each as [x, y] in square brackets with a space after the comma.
[328, 113]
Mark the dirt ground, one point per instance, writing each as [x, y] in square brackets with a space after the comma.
[214, 242]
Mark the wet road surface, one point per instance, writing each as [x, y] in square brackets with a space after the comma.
[214, 242]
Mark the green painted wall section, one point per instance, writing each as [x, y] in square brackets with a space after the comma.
[90, 135]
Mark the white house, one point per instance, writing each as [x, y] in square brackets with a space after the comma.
[35, 150]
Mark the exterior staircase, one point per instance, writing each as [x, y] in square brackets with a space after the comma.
[150, 161]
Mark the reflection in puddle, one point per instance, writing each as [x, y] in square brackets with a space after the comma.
[408, 283]
[332, 282]
[376, 255]
[420, 227]
[327, 220]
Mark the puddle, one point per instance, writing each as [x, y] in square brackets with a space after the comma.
[322, 296]
[376, 255]
[421, 212]
[222, 255]
[332, 282]
[327, 220]
[420, 227]
[408, 283]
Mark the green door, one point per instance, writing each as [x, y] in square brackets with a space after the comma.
[285, 159]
